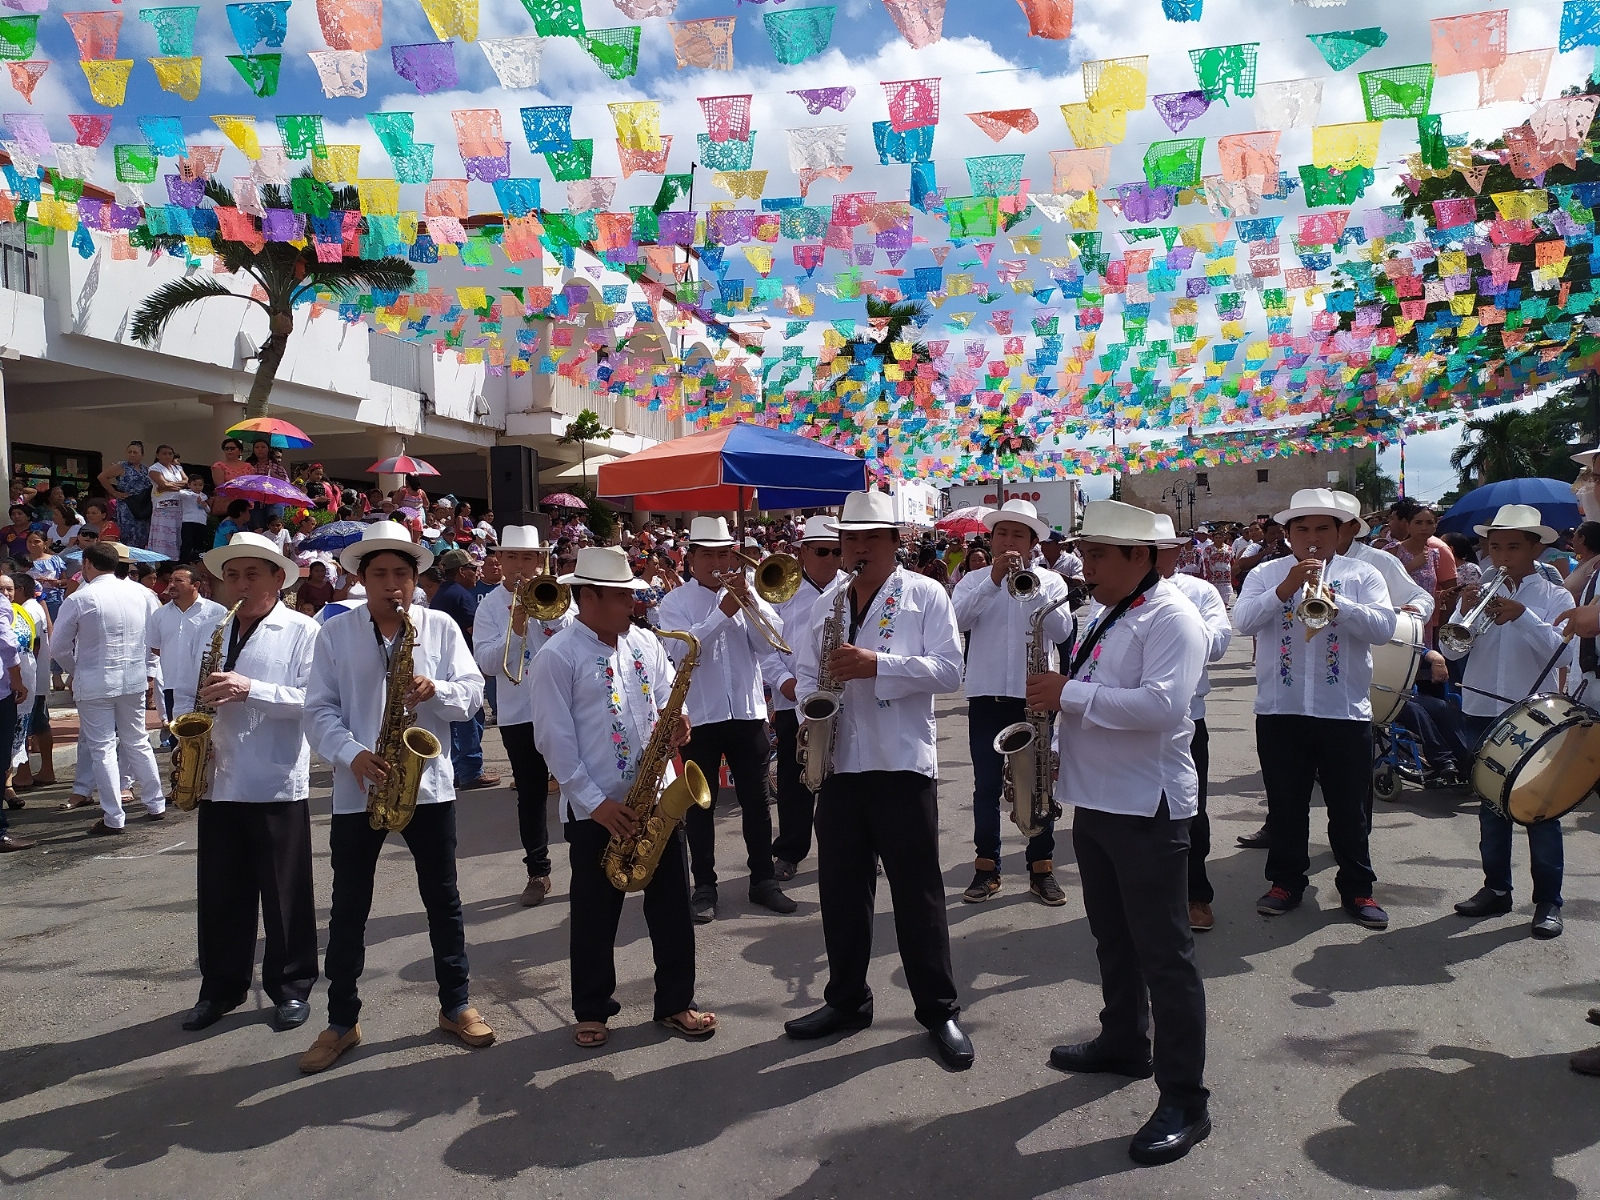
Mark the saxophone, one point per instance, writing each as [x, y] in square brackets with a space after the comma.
[1029, 764]
[819, 711]
[404, 746]
[630, 863]
[191, 757]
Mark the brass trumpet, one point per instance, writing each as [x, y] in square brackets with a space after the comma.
[1458, 636]
[777, 580]
[1021, 583]
[1318, 609]
[542, 599]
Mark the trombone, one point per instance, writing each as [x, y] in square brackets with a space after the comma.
[777, 581]
[542, 599]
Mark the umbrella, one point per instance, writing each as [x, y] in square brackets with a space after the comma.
[1558, 507]
[137, 553]
[264, 488]
[272, 431]
[964, 520]
[402, 464]
[562, 500]
[733, 465]
[335, 535]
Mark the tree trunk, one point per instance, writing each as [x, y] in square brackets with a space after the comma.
[268, 360]
[583, 460]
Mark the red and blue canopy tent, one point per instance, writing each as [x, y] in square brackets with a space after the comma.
[734, 467]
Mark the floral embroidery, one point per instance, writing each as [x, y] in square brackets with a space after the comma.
[886, 617]
[1333, 658]
[1286, 649]
[619, 730]
[1094, 657]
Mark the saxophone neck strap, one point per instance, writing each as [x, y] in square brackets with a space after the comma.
[1103, 626]
[238, 637]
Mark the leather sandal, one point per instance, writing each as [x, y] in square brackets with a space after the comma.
[591, 1035]
[690, 1024]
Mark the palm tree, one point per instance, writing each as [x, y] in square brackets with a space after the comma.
[1504, 445]
[583, 429]
[286, 273]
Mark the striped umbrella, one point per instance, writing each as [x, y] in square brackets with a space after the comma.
[402, 464]
[272, 431]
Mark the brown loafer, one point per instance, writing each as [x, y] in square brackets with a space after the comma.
[534, 894]
[1200, 918]
[10, 842]
[101, 829]
[1586, 1062]
[486, 780]
[469, 1027]
[325, 1051]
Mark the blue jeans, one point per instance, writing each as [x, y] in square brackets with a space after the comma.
[466, 748]
[1494, 841]
[986, 717]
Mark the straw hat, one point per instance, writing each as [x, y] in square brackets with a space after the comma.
[866, 510]
[1519, 516]
[522, 537]
[1022, 512]
[1315, 502]
[605, 566]
[1352, 510]
[384, 535]
[1118, 524]
[250, 545]
[819, 529]
[1169, 539]
[710, 531]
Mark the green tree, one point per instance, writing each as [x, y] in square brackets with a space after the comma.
[583, 429]
[288, 275]
[1374, 488]
[1521, 444]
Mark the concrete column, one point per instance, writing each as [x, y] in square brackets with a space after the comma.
[226, 412]
[5, 440]
[388, 444]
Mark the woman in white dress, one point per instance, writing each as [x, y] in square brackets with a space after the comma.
[167, 479]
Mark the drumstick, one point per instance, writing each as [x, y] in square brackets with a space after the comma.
[1491, 695]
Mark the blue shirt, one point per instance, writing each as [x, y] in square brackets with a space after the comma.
[459, 604]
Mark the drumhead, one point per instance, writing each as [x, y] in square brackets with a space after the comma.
[1556, 776]
[1394, 668]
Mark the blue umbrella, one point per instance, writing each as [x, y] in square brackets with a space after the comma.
[1558, 507]
[334, 536]
[137, 553]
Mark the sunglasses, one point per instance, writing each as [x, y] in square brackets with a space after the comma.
[825, 552]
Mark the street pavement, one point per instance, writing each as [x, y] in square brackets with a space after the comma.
[1427, 1061]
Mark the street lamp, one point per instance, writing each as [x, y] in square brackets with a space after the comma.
[1181, 493]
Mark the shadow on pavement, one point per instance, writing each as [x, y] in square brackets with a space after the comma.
[1412, 956]
[1494, 1128]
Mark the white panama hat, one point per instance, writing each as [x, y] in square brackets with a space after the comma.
[1352, 509]
[522, 537]
[1525, 517]
[1169, 535]
[1118, 524]
[866, 510]
[604, 566]
[1022, 512]
[710, 531]
[250, 545]
[1315, 502]
[820, 529]
[384, 535]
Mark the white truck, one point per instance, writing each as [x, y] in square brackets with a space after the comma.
[1056, 499]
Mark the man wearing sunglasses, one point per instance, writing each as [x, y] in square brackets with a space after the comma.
[819, 562]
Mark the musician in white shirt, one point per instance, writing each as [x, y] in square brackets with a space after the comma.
[522, 559]
[100, 640]
[175, 637]
[819, 566]
[1208, 602]
[1313, 714]
[899, 648]
[1405, 594]
[255, 824]
[598, 688]
[726, 707]
[998, 625]
[1504, 666]
[1124, 741]
[345, 706]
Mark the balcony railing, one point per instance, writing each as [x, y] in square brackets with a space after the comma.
[621, 414]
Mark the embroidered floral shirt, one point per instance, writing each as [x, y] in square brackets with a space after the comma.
[594, 708]
[1329, 675]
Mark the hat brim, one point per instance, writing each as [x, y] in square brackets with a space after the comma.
[1546, 534]
[820, 537]
[350, 557]
[714, 545]
[1113, 540]
[1585, 458]
[632, 585]
[1290, 514]
[219, 557]
[862, 526]
[996, 515]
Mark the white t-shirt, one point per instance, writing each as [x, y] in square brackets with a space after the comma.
[196, 507]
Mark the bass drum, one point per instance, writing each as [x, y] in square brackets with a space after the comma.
[1394, 668]
[1540, 760]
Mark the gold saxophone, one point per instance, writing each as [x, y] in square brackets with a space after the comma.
[1028, 765]
[402, 745]
[630, 862]
[191, 757]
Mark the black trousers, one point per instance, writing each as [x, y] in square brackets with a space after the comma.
[797, 806]
[194, 539]
[986, 717]
[1135, 894]
[1200, 891]
[531, 778]
[744, 744]
[863, 817]
[596, 909]
[1297, 752]
[256, 858]
[431, 838]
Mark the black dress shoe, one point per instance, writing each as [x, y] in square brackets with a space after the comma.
[207, 1013]
[1259, 840]
[1485, 903]
[1168, 1135]
[1547, 921]
[954, 1046]
[291, 1014]
[829, 1019]
[1089, 1058]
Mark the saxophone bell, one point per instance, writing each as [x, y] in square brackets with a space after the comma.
[1027, 768]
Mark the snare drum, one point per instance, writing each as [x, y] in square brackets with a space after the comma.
[1394, 668]
[1540, 760]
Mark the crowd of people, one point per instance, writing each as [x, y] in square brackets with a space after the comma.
[1084, 661]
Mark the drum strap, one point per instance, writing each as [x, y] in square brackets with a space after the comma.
[1588, 657]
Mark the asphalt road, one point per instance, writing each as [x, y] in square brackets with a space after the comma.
[1426, 1061]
